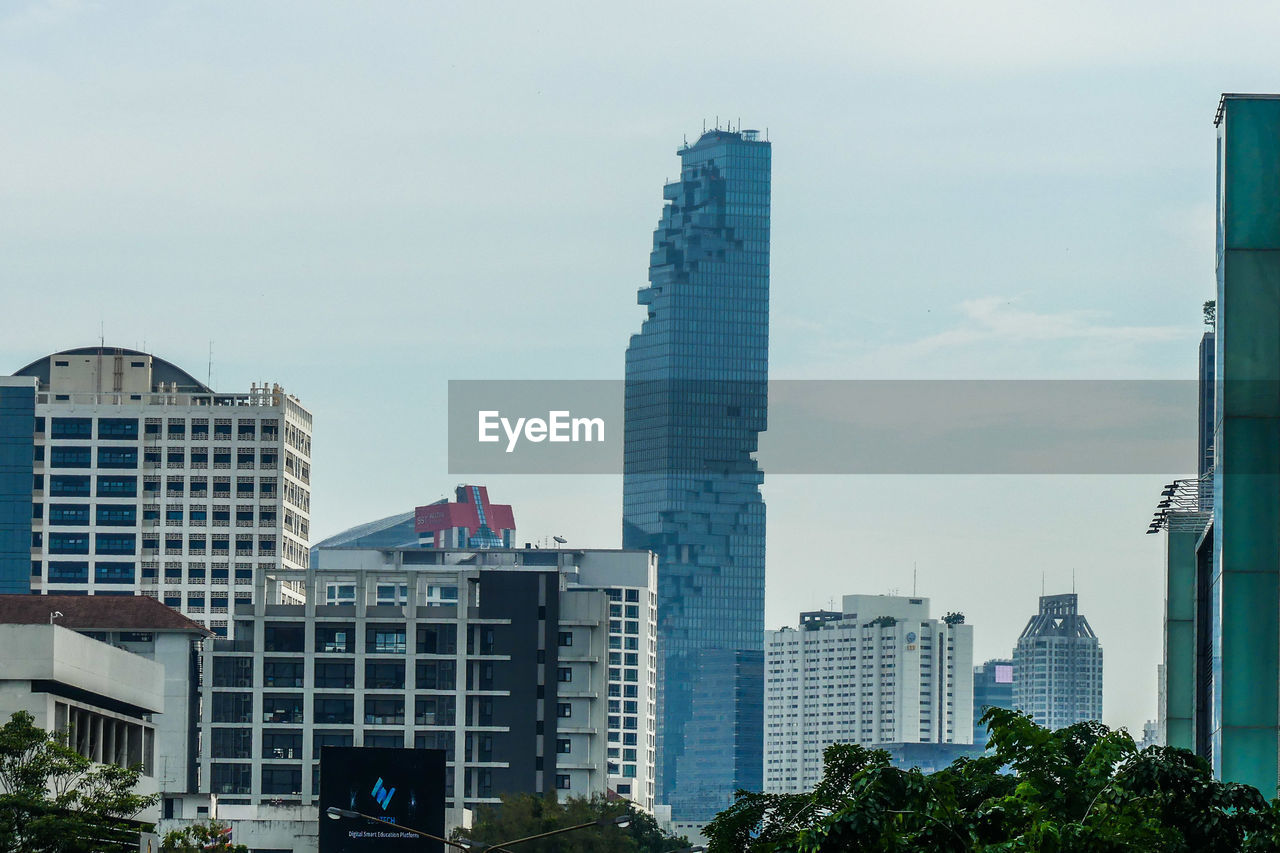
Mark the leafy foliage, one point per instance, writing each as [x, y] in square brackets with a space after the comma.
[54, 800]
[1081, 789]
[522, 815]
[206, 837]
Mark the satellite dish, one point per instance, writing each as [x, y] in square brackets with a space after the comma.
[560, 539]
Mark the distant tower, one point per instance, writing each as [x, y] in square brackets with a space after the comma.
[696, 397]
[1057, 665]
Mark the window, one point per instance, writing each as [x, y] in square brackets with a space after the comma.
[68, 543]
[283, 637]
[563, 746]
[335, 638]
[281, 673]
[232, 707]
[564, 674]
[434, 711]
[384, 675]
[339, 593]
[117, 457]
[72, 428]
[562, 782]
[392, 594]
[437, 639]
[231, 743]
[278, 779]
[435, 675]
[566, 638]
[564, 710]
[113, 573]
[64, 515]
[321, 739]
[115, 515]
[385, 639]
[230, 778]
[384, 710]
[118, 428]
[233, 672]
[65, 571]
[442, 595]
[117, 487]
[282, 707]
[281, 744]
[335, 674]
[393, 740]
[334, 709]
[70, 457]
[69, 486]
[435, 740]
[116, 543]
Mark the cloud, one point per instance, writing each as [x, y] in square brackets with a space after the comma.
[990, 337]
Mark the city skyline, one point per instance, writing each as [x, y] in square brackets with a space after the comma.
[1062, 197]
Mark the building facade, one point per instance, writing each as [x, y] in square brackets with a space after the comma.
[534, 670]
[146, 481]
[17, 460]
[695, 404]
[1057, 665]
[118, 677]
[992, 688]
[1243, 718]
[880, 672]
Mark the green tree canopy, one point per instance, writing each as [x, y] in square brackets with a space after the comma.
[203, 837]
[522, 815]
[1083, 788]
[54, 800]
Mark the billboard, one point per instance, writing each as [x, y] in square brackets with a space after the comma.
[401, 786]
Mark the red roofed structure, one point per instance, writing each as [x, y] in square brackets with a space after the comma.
[470, 522]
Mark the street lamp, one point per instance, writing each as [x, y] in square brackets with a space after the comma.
[620, 821]
[336, 813]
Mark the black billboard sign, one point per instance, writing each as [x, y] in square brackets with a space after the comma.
[401, 786]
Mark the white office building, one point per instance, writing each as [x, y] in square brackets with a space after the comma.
[116, 677]
[534, 670]
[149, 482]
[880, 672]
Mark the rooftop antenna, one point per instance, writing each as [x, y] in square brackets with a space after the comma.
[209, 376]
[1073, 581]
[1042, 583]
[913, 578]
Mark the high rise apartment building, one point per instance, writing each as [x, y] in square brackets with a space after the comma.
[695, 402]
[1057, 665]
[534, 670]
[880, 672]
[146, 481]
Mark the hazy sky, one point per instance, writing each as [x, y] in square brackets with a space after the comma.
[362, 201]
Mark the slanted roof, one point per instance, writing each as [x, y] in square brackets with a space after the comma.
[96, 613]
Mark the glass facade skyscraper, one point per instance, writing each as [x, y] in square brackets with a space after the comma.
[17, 455]
[696, 401]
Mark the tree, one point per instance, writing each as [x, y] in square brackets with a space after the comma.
[207, 837]
[522, 815]
[54, 800]
[1083, 788]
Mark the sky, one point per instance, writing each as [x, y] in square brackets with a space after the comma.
[363, 201]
